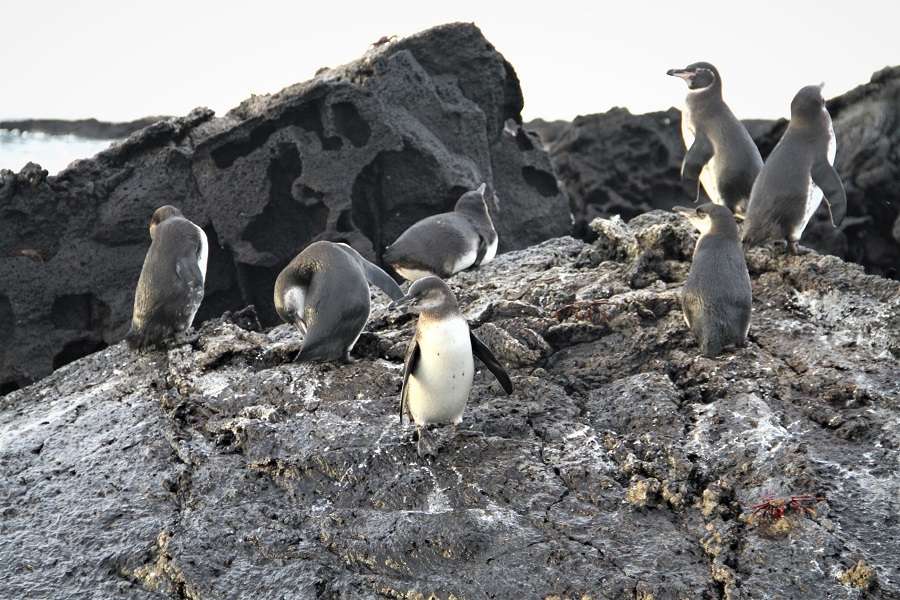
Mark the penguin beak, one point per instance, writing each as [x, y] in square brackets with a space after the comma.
[400, 303]
[684, 211]
[685, 74]
[481, 189]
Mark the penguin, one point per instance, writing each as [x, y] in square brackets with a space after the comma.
[170, 288]
[447, 243]
[716, 298]
[324, 292]
[720, 152]
[439, 365]
[796, 176]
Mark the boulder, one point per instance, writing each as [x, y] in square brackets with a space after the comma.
[624, 465]
[619, 163]
[356, 154]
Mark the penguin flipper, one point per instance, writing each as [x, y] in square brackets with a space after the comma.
[409, 365]
[482, 250]
[188, 271]
[384, 282]
[695, 159]
[826, 177]
[374, 274]
[490, 361]
[691, 307]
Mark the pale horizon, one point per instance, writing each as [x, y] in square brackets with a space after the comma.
[117, 63]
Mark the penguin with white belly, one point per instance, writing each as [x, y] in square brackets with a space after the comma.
[324, 293]
[439, 365]
[720, 152]
[797, 175]
[170, 288]
[447, 243]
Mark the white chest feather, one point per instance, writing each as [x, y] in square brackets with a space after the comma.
[466, 260]
[814, 193]
[708, 173]
[197, 293]
[295, 299]
[439, 387]
[204, 252]
[412, 274]
[491, 251]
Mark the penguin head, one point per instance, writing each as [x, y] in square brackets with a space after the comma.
[427, 295]
[710, 218]
[699, 76]
[475, 202]
[808, 103]
[161, 214]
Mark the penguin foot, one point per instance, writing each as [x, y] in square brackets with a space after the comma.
[425, 448]
[796, 249]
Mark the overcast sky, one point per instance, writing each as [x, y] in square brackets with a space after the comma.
[119, 60]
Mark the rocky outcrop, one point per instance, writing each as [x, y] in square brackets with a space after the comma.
[357, 154]
[616, 163]
[90, 129]
[619, 163]
[623, 466]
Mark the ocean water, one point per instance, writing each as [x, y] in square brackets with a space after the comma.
[53, 152]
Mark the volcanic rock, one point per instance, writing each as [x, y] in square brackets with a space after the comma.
[624, 465]
[620, 163]
[357, 154]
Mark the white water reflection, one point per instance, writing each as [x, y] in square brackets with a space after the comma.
[53, 152]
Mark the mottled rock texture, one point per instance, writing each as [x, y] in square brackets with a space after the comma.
[620, 163]
[356, 154]
[623, 466]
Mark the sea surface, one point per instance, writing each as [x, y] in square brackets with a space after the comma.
[53, 152]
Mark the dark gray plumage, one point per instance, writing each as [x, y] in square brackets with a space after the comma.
[720, 152]
[170, 288]
[796, 175]
[716, 298]
[447, 243]
[324, 292]
[439, 365]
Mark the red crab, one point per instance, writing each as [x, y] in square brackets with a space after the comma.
[773, 509]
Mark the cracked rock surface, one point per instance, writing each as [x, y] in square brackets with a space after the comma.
[356, 154]
[623, 466]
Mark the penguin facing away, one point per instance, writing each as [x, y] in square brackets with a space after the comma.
[716, 298]
[439, 365]
[170, 288]
[796, 176]
[324, 292]
[721, 155]
[447, 243]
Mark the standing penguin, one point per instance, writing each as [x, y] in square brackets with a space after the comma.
[438, 371]
[170, 288]
[720, 152]
[716, 298]
[324, 292]
[447, 243]
[796, 175]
